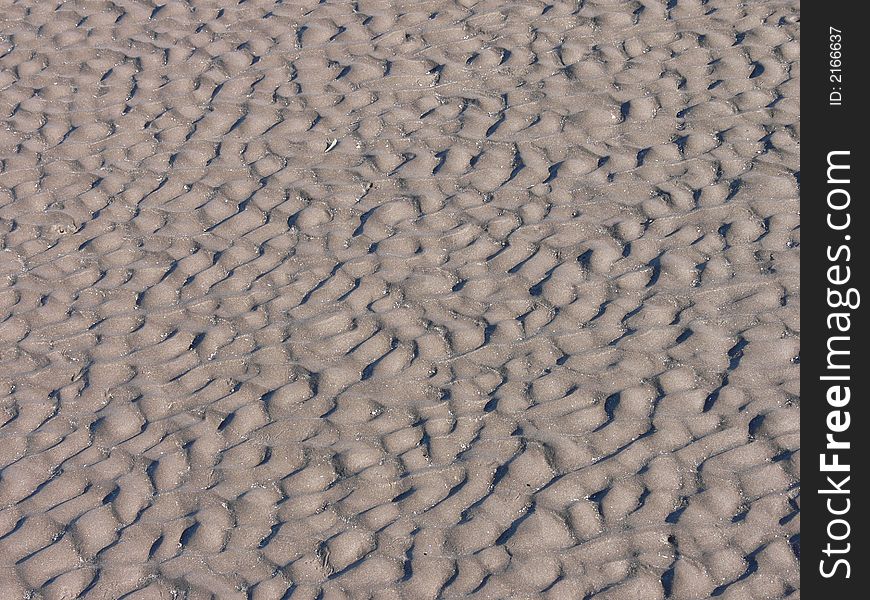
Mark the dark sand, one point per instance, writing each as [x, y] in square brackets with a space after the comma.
[399, 300]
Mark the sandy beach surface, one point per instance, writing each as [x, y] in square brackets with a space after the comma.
[402, 300]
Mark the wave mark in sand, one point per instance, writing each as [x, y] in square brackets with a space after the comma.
[399, 300]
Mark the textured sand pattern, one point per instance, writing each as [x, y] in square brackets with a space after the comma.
[399, 300]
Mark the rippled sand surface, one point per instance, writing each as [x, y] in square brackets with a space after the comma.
[399, 300]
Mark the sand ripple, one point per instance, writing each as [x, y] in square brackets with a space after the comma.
[399, 300]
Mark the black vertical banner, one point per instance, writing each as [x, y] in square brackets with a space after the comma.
[834, 419]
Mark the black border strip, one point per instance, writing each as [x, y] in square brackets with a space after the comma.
[833, 40]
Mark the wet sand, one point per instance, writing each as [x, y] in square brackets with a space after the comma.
[399, 300]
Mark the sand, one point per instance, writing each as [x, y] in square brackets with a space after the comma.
[399, 300]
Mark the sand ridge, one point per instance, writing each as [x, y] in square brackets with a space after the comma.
[399, 300]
